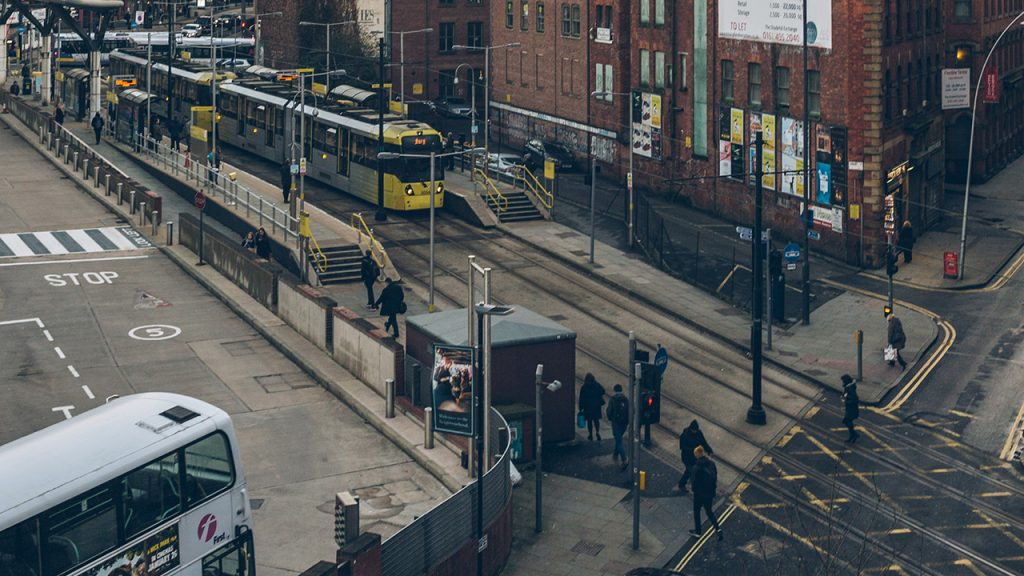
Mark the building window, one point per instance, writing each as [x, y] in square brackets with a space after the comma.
[682, 71]
[509, 14]
[645, 68]
[539, 80]
[887, 96]
[566, 20]
[609, 85]
[447, 1]
[524, 15]
[659, 12]
[659, 69]
[446, 82]
[475, 34]
[446, 37]
[604, 17]
[599, 81]
[645, 12]
[962, 9]
[727, 80]
[814, 93]
[782, 87]
[576, 20]
[540, 17]
[754, 83]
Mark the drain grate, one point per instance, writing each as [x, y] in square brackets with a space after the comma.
[558, 318]
[587, 547]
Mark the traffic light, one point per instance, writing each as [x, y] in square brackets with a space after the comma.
[890, 263]
[650, 407]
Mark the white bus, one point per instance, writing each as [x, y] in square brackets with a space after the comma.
[145, 485]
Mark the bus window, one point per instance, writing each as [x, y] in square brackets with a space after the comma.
[80, 529]
[208, 468]
[19, 550]
[151, 494]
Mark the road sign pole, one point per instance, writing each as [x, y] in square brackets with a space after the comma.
[756, 413]
[202, 238]
[768, 285]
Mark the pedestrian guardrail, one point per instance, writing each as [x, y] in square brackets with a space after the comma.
[494, 195]
[534, 186]
[316, 255]
[377, 252]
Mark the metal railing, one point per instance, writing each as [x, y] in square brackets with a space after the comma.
[316, 254]
[491, 191]
[531, 183]
[377, 252]
[218, 184]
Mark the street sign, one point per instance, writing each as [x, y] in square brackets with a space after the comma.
[474, 129]
[302, 166]
[748, 233]
[813, 235]
[294, 168]
[661, 360]
[791, 252]
[791, 266]
[200, 200]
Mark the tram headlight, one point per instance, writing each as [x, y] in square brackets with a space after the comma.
[408, 190]
[440, 188]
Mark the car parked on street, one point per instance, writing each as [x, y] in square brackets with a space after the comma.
[191, 30]
[233, 63]
[451, 106]
[502, 163]
[537, 151]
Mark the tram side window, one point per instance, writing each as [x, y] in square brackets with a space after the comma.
[256, 115]
[343, 155]
[19, 550]
[229, 105]
[80, 529]
[280, 123]
[151, 494]
[325, 138]
[208, 468]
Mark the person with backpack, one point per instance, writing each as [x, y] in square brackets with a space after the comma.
[97, 126]
[895, 337]
[392, 303]
[618, 415]
[368, 272]
[591, 400]
[690, 438]
[705, 484]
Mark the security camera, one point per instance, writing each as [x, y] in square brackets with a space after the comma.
[554, 386]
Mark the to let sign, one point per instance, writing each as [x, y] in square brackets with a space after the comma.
[990, 84]
[956, 88]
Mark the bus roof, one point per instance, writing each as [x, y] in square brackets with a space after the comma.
[49, 466]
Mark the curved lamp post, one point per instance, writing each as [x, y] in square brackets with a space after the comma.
[487, 84]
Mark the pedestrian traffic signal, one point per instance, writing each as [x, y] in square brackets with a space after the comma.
[650, 407]
[890, 263]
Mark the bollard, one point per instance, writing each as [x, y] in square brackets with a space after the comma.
[142, 213]
[155, 218]
[273, 218]
[120, 197]
[389, 408]
[131, 202]
[858, 337]
[96, 176]
[428, 428]
[170, 233]
[66, 155]
[56, 145]
[106, 184]
[74, 163]
[85, 169]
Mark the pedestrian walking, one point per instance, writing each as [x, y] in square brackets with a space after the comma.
[591, 400]
[97, 126]
[690, 438]
[392, 303]
[15, 89]
[851, 406]
[895, 337]
[156, 134]
[705, 484]
[213, 161]
[906, 241]
[286, 180]
[618, 415]
[262, 244]
[368, 272]
[449, 145]
[174, 132]
[58, 114]
[249, 242]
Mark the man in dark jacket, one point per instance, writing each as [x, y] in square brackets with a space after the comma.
[895, 336]
[906, 241]
[591, 400]
[286, 182]
[174, 132]
[391, 302]
[851, 406]
[690, 438]
[97, 126]
[368, 272]
[618, 415]
[705, 483]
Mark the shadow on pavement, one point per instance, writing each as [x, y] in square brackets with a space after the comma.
[593, 461]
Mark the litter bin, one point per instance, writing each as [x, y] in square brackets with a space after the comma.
[949, 265]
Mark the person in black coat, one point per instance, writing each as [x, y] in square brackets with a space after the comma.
[851, 406]
[97, 126]
[392, 303]
[705, 484]
[368, 272]
[58, 114]
[262, 244]
[591, 400]
[286, 180]
[906, 241]
[690, 438]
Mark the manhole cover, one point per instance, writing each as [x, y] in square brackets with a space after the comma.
[557, 318]
[587, 547]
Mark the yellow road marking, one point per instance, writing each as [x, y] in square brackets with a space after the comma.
[1004, 278]
[995, 494]
[707, 534]
[1002, 527]
[771, 506]
[997, 284]
[1015, 435]
[961, 414]
[916, 497]
[970, 566]
[900, 531]
[727, 277]
[825, 450]
[810, 413]
[941, 470]
[1000, 466]
[789, 436]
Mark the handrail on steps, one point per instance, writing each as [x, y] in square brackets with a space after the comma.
[376, 250]
[534, 185]
[316, 254]
[492, 192]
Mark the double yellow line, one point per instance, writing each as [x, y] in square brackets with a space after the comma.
[998, 284]
[703, 540]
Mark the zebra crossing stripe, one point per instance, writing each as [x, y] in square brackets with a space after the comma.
[117, 238]
[18, 248]
[101, 239]
[82, 238]
[65, 240]
[71, 242]
[33, 244]
[50, 243]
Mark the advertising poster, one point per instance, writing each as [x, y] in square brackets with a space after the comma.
[724, 143]
[655, 127]
[776, 21]
[840, 166]
[736, 129]
[646, 112]
[792, 157]
[823, 163]
[452, 386]
[737, 162]
[768, 155]
[154, 556]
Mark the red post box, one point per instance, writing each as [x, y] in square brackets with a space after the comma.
[949, 266]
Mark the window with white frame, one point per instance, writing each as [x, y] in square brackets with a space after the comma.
[645, 12]
[659, 12]
[645, 68]
[659, 69]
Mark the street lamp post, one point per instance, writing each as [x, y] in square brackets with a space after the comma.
[259, 45]
[970, 148]
[630, 217]
[401, 60]
[554, 386]
[381, 215]
[328, 53]
[487, 86]
[472, 99]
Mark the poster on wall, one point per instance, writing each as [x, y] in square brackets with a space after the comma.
[452, 390]
[792, 157]
[755, 127]
[154, 556]
[736, 128]
[647, 137]
[776, 21]
[768, 154]
[823, 163]
[724, 142]
[655, 126]
[839, 165]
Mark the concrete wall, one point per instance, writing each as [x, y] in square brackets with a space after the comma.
[306, 310]
[366, 351]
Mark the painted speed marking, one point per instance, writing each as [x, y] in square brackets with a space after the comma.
[154, 332]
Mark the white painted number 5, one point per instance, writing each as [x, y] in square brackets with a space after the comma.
[154, 332]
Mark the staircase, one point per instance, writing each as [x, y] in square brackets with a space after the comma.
[342, 264]
[519, 208]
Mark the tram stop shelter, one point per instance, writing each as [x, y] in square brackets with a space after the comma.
[519, 342]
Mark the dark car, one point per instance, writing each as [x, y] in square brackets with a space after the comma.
[537, 151]
[451, 106]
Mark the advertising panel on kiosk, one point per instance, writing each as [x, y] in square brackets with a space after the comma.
[452, 390]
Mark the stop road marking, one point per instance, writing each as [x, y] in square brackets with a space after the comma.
[78, 279]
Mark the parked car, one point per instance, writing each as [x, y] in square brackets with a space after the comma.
[537, 151]
[452, 106]
[233, 63]
[191, 30]
[502, 163]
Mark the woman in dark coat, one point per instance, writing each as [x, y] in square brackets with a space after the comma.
[591, 400]
[906, 241]
[851, 406]
[392, 303]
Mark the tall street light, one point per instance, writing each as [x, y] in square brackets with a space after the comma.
[401, 59]
[630, 221]
[436, 188]
[970, 148]
[487, 85]
[472, 100]
[328, 53]
[381, 214]
[482, 309]
[554, 386]
[259, 44]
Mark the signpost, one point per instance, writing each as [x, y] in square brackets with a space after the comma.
[792, 255]
[661, 360]
[200, 202]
